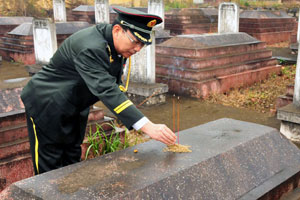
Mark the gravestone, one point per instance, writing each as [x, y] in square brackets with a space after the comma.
[142, 87]
[230, 159]
[44, 37]
[101, 11]
[157, 7]
[228, 21]
[290, 114]
[59, 11]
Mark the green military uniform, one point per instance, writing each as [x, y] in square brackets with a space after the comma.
[85, 69]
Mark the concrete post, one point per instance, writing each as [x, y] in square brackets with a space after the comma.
[101, 11]
[228, 19]
[143, 64]
[296, 97]
[59, 11]
[44, 38]
[157, 7]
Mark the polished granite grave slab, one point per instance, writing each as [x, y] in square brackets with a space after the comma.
[230, 159]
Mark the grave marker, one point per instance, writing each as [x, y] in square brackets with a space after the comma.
[59, 11]
[228, 19]
[101, 11]
[157, 7]
[44, 38]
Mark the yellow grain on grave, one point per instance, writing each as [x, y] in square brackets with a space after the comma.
[178, 148]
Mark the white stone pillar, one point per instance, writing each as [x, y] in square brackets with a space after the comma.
[143, 65]
[198, 1]
[44, 38]
[101, 11]
[59, 11]
[157, 7]
[298, 33]
[296, 97]
[228, 19]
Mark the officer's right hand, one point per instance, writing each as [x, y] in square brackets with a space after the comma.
[159, 132]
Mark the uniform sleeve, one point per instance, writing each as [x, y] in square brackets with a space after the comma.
[93, 66]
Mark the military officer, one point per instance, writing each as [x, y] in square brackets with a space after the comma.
[86, 68]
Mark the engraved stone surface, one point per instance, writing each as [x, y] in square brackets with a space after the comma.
[230, 159]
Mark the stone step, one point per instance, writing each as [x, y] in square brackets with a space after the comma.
[15, 169]
[12, 133]
[265, 30]
[283, 100]
[266, 25]
[12, 118]
[290, 90]
[175, 32]
[267, 20]
[274, 37]
[17, 46]
[212, 72]
[14, 148]
[204, 52]
[185, 18]
[188, 21]
[18, 41]
[192, 25]
[201, 89]
[188, 63]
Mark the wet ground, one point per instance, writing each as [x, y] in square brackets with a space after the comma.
[12, 75]
[192, 112]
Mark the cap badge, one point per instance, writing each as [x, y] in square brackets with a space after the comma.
[151, 23]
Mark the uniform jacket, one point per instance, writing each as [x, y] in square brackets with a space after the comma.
[84, 70]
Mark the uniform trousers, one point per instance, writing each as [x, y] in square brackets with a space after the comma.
[50, 153]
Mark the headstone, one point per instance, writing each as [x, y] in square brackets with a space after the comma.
[228, 19]
[44, 37]
[296, 97]
[59, 11]
[142, 77]
[143, 64]
[198, 1]
[230, 159]
[157, 7]
[298, 32]
[101, 11]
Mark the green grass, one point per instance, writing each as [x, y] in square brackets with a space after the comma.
[101, 143]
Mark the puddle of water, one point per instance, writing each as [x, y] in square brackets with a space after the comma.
[14, 80]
